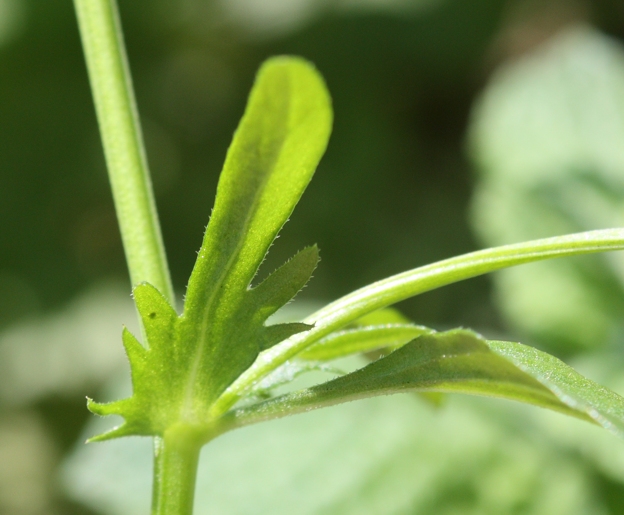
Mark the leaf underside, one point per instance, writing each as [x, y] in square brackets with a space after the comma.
[459, 361]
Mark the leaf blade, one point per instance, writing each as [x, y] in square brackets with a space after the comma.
[283, 284]
[602, 404]
[271, 160]
[273, 156]
[459, 361]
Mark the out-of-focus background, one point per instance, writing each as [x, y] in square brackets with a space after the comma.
[458, 124]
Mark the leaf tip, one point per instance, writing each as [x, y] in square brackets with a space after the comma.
[116, 432]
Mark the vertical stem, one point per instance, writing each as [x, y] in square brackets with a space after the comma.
[100, 30]
[111, 85]
[175, 469]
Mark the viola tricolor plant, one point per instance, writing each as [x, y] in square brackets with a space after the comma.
[213, 367]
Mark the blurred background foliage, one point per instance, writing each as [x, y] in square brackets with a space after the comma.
[457, 125]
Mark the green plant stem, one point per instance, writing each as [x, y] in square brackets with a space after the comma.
[175, 469]
[111, 85]
[399, 287]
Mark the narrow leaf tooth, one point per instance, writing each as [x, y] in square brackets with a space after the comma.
[283, 284]
[276, 333]
[134, 350]
[117, 432]
[137, 355]
[107, 408]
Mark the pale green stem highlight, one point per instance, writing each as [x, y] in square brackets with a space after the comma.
[111, 85]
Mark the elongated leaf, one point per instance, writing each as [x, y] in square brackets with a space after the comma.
[385, 328]
[286, 374]
[189, 360]
[460, 361]
[273, 156]
[375, 334]
[373, 340]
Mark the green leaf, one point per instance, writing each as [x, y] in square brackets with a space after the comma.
[375, 334]
[189, 360]
[273, 156]
[286, 374]
[283, 284]
[460, 361]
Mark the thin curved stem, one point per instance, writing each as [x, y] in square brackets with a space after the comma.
[413, 282]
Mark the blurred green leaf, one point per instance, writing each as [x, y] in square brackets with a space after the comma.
[382, 317]
[547, 139]
[27, 459]
[64, 353]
